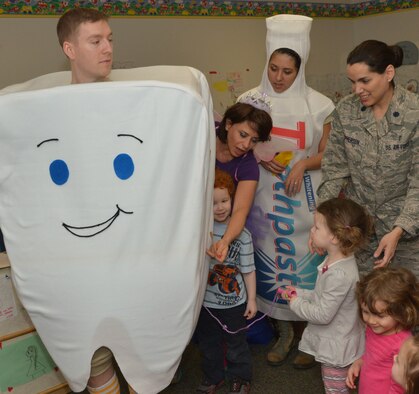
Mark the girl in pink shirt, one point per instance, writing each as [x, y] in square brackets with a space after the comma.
[389, 303]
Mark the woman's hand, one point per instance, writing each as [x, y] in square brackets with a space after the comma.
[294, 179]
[387, 247]
[353, 373]
[273, 166]
[251, 309]
[218, 250]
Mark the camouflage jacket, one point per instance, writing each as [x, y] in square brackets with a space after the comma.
[376, 163]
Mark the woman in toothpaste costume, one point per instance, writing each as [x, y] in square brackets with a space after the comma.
[282, 214]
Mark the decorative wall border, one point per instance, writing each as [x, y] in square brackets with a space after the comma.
[204, 8]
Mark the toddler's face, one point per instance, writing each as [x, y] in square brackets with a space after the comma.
[381, 323]
[398, 372]
[320, 233]
[222, 205]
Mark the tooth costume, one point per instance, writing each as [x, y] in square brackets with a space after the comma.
[280, 224]
[106, 241]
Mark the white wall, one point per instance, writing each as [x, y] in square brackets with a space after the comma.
[29, 48]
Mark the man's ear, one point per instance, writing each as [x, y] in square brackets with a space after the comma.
[68, 49]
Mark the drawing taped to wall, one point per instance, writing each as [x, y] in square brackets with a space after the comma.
[227, 86]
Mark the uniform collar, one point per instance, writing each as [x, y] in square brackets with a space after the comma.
[394, 114]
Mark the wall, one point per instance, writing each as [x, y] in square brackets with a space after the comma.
[232, 49]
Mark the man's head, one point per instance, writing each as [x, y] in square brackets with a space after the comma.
[86, 39]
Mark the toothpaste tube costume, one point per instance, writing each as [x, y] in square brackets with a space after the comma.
[280, 224]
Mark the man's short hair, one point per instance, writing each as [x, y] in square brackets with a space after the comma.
[69, 22]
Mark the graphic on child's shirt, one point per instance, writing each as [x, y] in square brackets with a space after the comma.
[224, 274]
[225, 277]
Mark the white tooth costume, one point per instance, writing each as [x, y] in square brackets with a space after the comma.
[279, 224]
[106, 209]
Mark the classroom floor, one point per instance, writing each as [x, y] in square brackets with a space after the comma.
[267, 379]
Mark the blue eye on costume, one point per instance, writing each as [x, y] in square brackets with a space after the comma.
[123, 166]
[58, 171]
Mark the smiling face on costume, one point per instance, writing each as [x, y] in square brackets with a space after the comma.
[90, 52]
[282, 71]
[123, 166]
[241, 138]
[380, 323]
[371, 87]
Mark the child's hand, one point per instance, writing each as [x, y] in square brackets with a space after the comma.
[288, 293]
[353, 373]
[251, 309]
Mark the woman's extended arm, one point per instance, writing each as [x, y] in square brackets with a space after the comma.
[243, 200]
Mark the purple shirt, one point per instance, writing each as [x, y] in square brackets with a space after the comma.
[243, 168]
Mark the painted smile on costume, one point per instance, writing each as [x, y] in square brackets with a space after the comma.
[91, 231]
[123, 167]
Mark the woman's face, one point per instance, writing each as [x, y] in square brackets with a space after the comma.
[241, 138]
[281, 72]
[371, 87]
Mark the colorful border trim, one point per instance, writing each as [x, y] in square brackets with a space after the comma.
[203, 8]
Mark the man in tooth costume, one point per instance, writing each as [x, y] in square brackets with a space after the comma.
[280, 224]
[106, 241]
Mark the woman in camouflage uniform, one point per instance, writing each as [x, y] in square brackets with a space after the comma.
[373, 155]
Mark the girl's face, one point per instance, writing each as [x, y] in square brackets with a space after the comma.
[381, 323]
[398, 372]
[281, 72]
[241, 138]
[371, 87]
[320, 233]
[222, 205]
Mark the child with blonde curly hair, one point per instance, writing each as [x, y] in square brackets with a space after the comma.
[389, 303]
[334, 334]
[405, 369]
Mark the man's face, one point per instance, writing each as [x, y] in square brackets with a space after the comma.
[90, 52]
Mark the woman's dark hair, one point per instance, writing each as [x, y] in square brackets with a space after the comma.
[258, 119]
[289, 52]
[377, 55]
